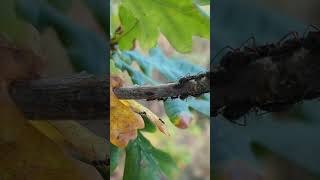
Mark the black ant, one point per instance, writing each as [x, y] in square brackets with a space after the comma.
[162, 121]
[234, 50]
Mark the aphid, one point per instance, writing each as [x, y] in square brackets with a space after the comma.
[174, 97]
[234, 50]
[240, 57]
[189, 77]
[183, 96]
[235, 59]
[185, 79]
[163, 99]
[198, 76]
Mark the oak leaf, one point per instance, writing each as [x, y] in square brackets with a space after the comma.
[140, 109]
[124, 122]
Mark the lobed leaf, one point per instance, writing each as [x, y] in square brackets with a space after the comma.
[143, 161]
[143, 20]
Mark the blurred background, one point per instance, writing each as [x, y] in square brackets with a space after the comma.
[69, 35]
[273, 146]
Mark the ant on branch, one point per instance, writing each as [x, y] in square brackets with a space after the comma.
[285, 47]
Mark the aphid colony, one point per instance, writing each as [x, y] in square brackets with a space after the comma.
[236, 59]
[285, 46]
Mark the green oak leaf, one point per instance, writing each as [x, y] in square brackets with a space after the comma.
[179, 21]
[143, 161]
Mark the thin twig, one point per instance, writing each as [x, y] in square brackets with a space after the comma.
[192, 87]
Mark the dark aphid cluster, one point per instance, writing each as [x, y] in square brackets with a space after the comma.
[240, 57]
[236, 59]
[196, 77]
[186, 79]
[182, 81]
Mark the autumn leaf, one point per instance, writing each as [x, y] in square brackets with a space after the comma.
[140, 109]
[124, 122]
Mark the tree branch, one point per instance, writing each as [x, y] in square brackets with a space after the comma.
[80, 96]
[84, 97]
[187, 86]
[270, 78]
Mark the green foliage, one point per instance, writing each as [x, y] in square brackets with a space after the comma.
[143, 161]
[202, 2]
[115, 154]
[148, 126]
[143, 20]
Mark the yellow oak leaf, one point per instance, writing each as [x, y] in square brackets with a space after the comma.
[124, 122]
[140, 109]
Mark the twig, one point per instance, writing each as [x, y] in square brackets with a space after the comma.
[84, 97]
[79, 97]
[193, 86]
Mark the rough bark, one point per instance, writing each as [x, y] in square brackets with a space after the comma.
[79, 96]
[272, 79]
[187, 86]
[84, 97]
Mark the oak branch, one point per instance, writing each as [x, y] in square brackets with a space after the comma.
[271, 83]
[85, 97]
